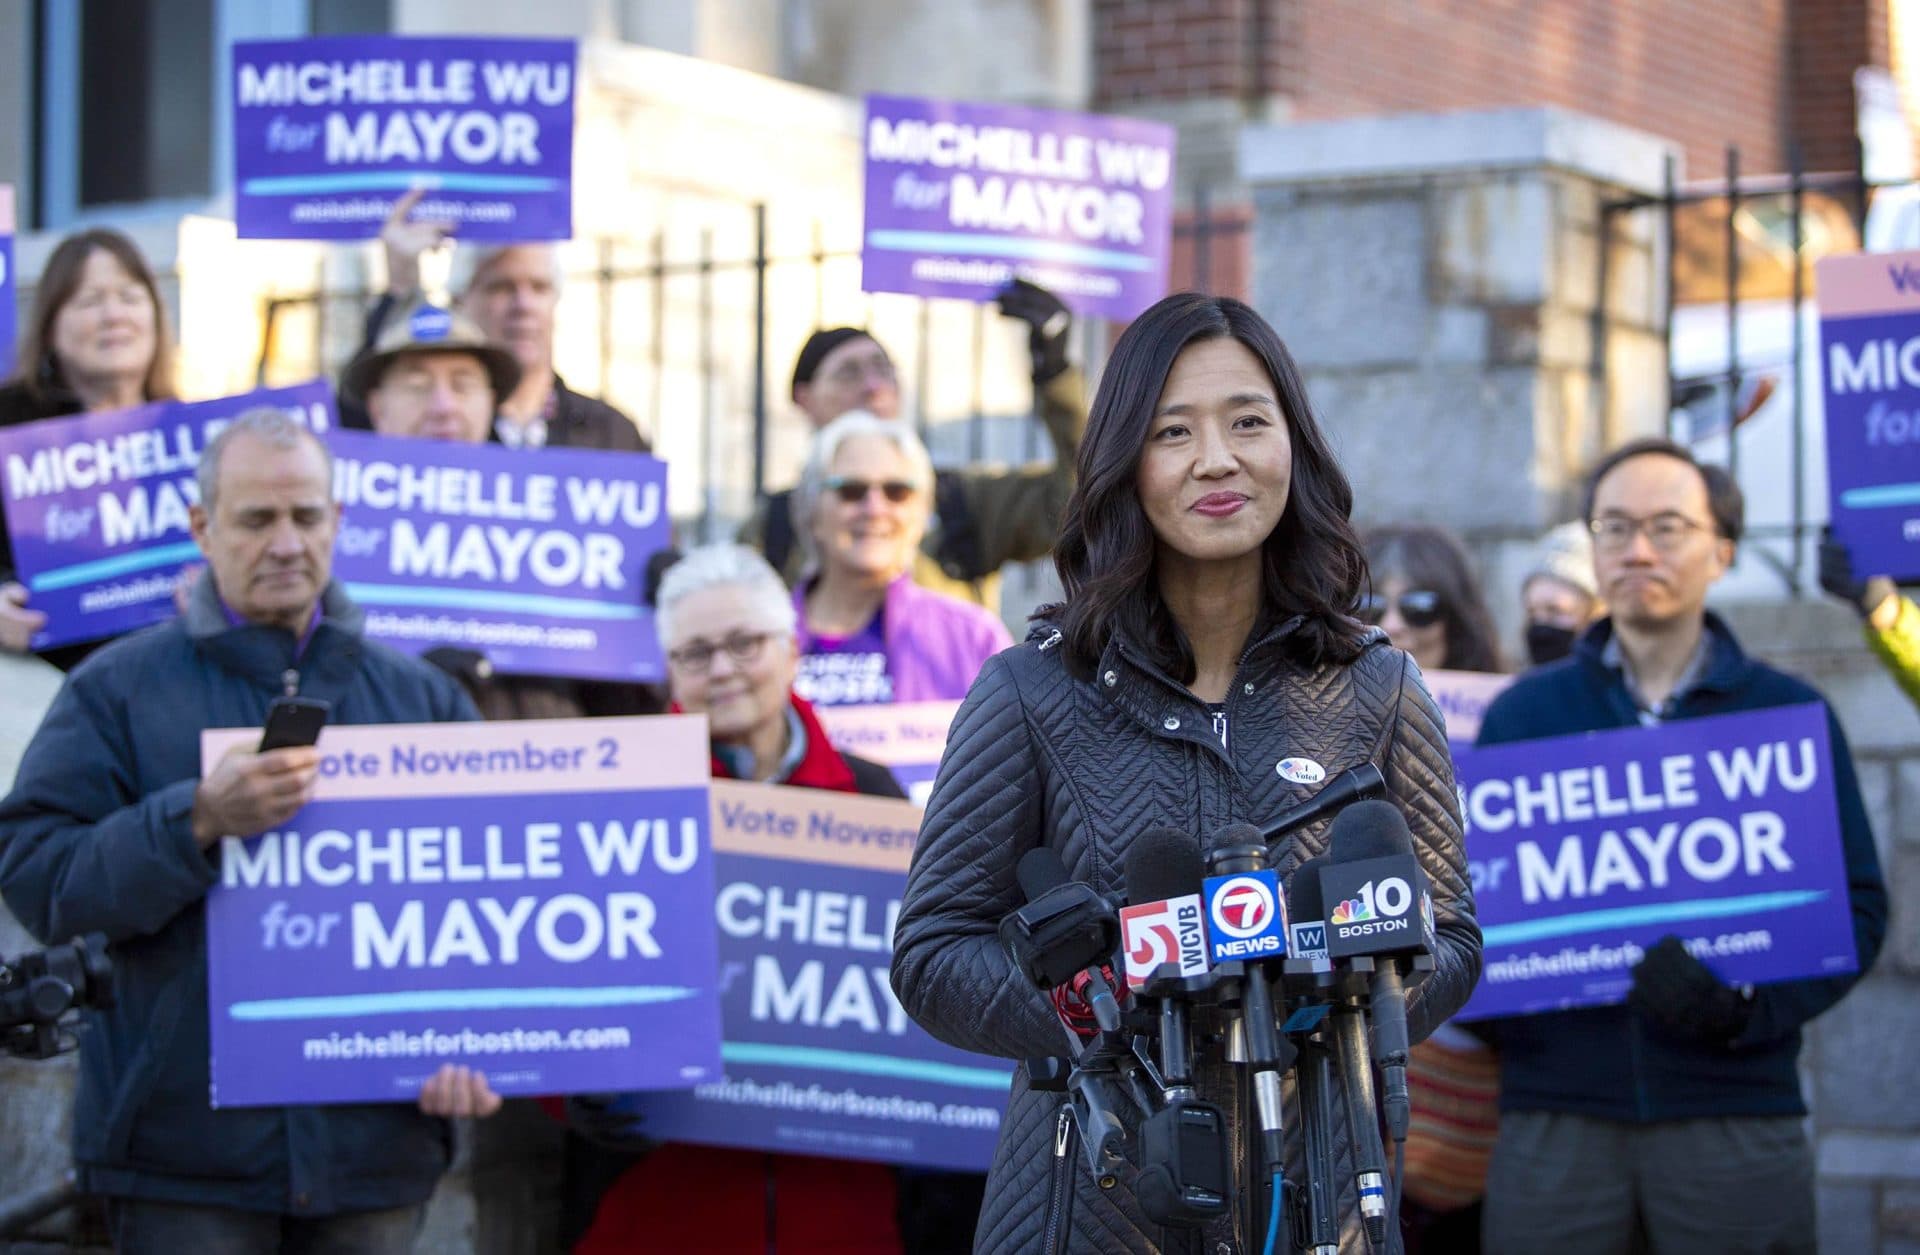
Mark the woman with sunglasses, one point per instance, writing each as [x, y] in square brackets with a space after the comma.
[1204, 668]
[727, 627]
[1426, 599]
[868, 634]
[1428, 602]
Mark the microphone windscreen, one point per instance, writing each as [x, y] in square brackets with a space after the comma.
[1371, 829]
[1305, 902]
[1239, 834]
[1040, 869]
[1163, 863]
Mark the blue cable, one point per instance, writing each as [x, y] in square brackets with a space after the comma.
[1273, 1216]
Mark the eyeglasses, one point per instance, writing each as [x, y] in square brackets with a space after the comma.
[850, 374]
[1419, 607]
[854, 491]
[1667, 532]
[694, 659]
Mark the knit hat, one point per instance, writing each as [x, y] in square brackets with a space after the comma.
[1566, 554]
[818, 345]
[426, 328]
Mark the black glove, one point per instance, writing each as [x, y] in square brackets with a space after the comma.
[1679, 997]
[1049, 323]
[1838, 579]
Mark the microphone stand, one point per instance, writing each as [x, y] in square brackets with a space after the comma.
[1322, 1194]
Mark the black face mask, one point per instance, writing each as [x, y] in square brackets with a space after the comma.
[1547, 643]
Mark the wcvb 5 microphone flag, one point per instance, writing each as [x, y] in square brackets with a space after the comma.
[1246, 916]
[1167, 931]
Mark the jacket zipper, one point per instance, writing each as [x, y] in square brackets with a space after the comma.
[1220, 727]
[1060, 1194]
[290, 681]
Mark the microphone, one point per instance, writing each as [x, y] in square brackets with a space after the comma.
[1382, 916]
[1307, 916]
[1184, 1171]
[1063, 934]
[1247, 918]
[1355, 784]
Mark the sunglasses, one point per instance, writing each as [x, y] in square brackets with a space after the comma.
[854, 491]
[1419, 607]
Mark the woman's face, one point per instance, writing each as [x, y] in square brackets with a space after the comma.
[871, 515]
[1414, 619]
[1218, 462]
[722, 662]
[1556, 603]
[106, 329]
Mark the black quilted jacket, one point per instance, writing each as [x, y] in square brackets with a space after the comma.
[1037, 756]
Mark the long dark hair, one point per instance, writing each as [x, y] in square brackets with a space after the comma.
[60, 278]
[1430, 558]
[1312, 565]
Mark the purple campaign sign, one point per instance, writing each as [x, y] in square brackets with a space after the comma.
[819, 1057]
[532, 900]
[907, 738]
[963, 197]
[97, 506]
[537, 560]
[1585, 850]
[329, 133]
[1870, 361]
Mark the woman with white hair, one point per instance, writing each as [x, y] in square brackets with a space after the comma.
[726, 625]
[728, 629]
[867, 633]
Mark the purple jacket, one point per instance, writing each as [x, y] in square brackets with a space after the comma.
[935, 644]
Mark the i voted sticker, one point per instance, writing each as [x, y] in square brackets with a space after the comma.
[1300, 770]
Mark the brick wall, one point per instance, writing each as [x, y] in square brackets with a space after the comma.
[1707, 73]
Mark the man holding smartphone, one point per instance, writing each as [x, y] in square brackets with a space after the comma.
[111, 828]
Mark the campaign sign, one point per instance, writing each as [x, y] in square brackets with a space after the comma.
[97, 504]
[961, 198]
[906, 738]
[1585, 850]
[1246, 916]
[539, 562]
[1870, 360]
[1156, 933]
[528, 899]
[819, 1057]
[1463, 698]
[9, 290]
[329, 133]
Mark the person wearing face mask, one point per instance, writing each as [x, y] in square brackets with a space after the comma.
[986, 517]
[729, 631]
[868, 633]
[1559, 594]
[1428, 602]
[95, 340]
[511, 293]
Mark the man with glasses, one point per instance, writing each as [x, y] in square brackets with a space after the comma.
[984, 518]
[1678, 1114]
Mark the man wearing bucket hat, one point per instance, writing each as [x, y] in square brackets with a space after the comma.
[433, 375]
[511, 293]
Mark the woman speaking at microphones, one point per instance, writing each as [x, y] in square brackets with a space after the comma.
[1204, 668]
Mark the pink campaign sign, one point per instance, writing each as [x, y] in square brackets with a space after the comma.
[398, 760]
[1463, 698]
[1860, 285]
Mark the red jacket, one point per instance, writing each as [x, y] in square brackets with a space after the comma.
[720, 1201]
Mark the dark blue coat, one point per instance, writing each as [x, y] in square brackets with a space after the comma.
[97, 836]
[1605, 1061]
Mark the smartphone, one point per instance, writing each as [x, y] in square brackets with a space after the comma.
[293, 721]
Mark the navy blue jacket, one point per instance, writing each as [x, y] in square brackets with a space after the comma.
[1606, 1061]
[97, 835]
